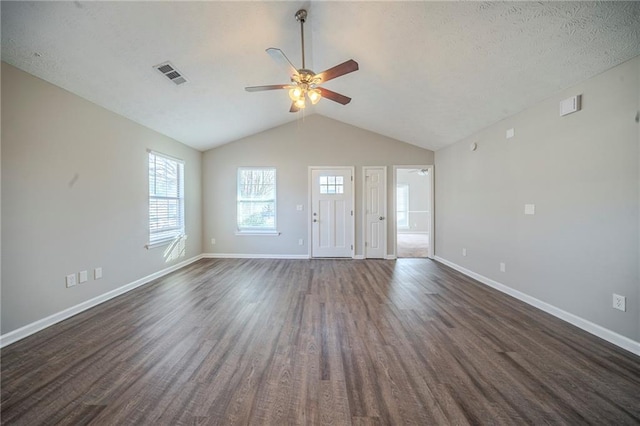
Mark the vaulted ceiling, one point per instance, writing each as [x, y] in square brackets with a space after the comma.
[431, 73]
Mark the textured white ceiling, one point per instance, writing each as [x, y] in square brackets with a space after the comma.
[431, 73]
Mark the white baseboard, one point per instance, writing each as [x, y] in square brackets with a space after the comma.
[358, 257]
[34, 327]
[253, 256]
[390, 257]
[588, 326]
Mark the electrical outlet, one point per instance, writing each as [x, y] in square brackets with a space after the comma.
[503, 267]
[82, 277]
[213, 241]
[97, 273]
[464, 251]
[619, 302]
[71, 280]
[300, 241]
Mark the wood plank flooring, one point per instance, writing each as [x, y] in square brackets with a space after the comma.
[274, 342]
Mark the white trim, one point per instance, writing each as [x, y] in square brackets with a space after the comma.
[34, 327]
[162, 154]
[358, 257]
[390, 257]
[365, 228]
[586, 325]
[259, 233]
[165, 242]
[253, 256]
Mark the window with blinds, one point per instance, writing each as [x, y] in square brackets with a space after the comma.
[166, 198]
[256, 200]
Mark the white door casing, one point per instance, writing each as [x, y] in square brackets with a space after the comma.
[375, 212]
[331, 212]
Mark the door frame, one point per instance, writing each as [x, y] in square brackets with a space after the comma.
[310, 204]
[431, 186]
[364, 210]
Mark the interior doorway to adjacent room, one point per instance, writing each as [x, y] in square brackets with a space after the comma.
[413, 200]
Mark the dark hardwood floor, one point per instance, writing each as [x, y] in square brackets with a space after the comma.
[317, 342]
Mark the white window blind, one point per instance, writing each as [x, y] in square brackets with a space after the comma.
[402, 205]
[166, 198]
[256, 200]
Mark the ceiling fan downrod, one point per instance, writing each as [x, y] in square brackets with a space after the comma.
[301, 16]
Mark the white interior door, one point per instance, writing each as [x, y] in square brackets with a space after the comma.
[332, 212]
[375, 215]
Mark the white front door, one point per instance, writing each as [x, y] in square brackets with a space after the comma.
[375, 204]
[332, 212]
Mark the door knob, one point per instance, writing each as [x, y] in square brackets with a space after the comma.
[381, 218]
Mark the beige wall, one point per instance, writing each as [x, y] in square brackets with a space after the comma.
[75, 197]
[582, 173]
[291, 148]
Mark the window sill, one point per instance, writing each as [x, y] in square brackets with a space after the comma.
[259, 233]
[157, 244]
[163, 243]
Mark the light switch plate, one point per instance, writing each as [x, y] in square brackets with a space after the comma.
[299, 207]
[529, 209]
[503, 267]
[82, 277]
[97, 273]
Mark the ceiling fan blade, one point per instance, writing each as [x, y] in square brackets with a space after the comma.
[336, 97]
[269, 87]
[338, 70]
[294, 108]
[279, 56]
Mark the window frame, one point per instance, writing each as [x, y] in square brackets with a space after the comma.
[254, 230]
[180, 230]
[405, 188]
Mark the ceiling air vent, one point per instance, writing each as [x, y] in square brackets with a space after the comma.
[169, 71]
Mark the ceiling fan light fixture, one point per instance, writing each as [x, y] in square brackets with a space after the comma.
[296, 93]
[300, 103]
[314, 96]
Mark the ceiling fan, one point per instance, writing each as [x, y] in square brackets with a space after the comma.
[305, 84]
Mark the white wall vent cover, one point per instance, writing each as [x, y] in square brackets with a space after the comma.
[169, 71]
[570, 105]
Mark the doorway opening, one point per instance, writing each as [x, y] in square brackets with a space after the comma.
[413, 200]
